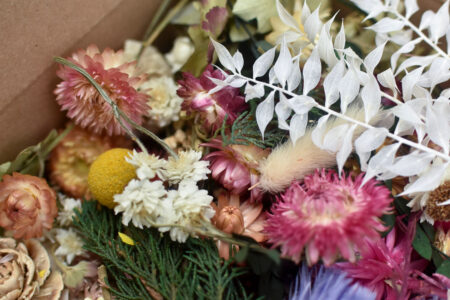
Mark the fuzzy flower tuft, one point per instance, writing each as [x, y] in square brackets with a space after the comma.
[327, 284]
[188, 166]
[85, 106]
[327, 216]
[212, 108]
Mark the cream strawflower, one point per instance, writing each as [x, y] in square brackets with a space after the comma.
[191, 206]
[181, 51]
[139, 202]
[147, 165]
[70, 244]
[66, 213]
[188, 166]
[164, 101]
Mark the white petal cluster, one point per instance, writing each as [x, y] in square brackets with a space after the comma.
[188, 166]
[180, 53]
[147, 165]
[145, 202]
[164, 101]
[139, 202]
[190, 206]
[70, 244]
[66, 213]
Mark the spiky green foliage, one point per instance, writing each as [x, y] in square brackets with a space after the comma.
[155, 265]
[245, 131]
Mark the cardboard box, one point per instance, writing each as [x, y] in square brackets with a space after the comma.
[32, 33]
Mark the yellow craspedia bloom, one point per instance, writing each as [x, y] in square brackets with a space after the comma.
[109, 174]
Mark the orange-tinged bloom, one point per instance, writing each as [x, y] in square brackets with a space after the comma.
[234, 216]
[27, 205]
[85, 106]
[71, 159]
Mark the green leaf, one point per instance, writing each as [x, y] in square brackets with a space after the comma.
[389, 222]
[422, 244]
[241, 255]
[437, 258]
[4, 168]
[444, 268]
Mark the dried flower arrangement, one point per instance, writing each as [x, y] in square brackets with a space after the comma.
[275, 152]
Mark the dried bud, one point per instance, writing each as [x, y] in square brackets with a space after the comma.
[442, 240]
[230, 220]
[27, 205]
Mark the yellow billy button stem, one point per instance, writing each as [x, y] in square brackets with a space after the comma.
[109, 174]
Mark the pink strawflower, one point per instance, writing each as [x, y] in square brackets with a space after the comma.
[212, 108]
[327, 216]
[386, 268]
[235, 166]
[85, 105]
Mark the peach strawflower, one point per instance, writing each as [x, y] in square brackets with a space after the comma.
[85, 106]
[236, 166]
[71, 159]
[27, 205]
[234, 216]
[327, 217]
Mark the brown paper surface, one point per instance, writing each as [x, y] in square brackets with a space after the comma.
[32, 33]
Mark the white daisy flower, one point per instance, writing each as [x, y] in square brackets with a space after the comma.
[188, 166]
[70, 244]
[147, 165]
[66, 213]
[139, 202]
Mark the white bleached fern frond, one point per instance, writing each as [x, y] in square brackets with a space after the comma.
[351, 81]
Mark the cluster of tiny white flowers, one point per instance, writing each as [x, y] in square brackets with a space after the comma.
[164, 101]
[66, 213]
[166, 194]
[70, 244]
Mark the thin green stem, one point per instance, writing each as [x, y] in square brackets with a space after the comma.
[164, 23]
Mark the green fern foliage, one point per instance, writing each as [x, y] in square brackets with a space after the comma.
[155, 267]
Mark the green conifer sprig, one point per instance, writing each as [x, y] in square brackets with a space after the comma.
[155, 266]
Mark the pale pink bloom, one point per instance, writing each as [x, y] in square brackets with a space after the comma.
[27, 205]
[327, 217]
[85, 106]
[234, 216]
[210, 109]
[236, 166]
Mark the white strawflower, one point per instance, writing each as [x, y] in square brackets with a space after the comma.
[139, 202]
[191, 205]
[147, 165]
[188, 166]
[70, 244]
[164, 101]
[181, 51]
[66, 213]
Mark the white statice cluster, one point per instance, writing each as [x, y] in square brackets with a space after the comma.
[166, 195]
[67, 211]
[69, 242]
[165, 105]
